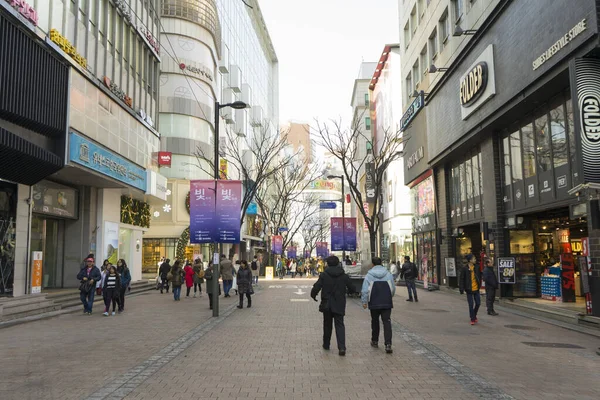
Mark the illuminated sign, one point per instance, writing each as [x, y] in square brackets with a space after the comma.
[164, 158]
[118, 92]
[25, 10]
[67, 47]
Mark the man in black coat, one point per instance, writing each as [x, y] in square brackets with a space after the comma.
[491, 284]
[333, 284]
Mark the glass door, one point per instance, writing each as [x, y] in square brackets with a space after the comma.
[47, 236]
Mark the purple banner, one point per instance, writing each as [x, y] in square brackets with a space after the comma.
[292, 252]
[322, 250]
[306, 254]
[277, 244]
[229, 204]
[202, 212]
[337, 234]
[350, 234]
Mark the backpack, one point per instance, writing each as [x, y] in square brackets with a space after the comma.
[200, 273]
[415, 270]
[254, 266]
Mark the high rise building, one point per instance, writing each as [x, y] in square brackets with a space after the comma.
[299, 138]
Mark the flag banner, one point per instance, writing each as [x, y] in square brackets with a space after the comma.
[350, 234]
[337, 234]
[202, 211]
[322, 249]
[229, 204]
[277, 244]
[292, 252]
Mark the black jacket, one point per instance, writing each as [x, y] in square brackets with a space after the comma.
[464, 279]
[489, 277]
[409, 271]
[164, 269]
[333, 285]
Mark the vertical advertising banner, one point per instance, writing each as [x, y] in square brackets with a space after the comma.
[306, 254]
[568, 277]
[292, 252]
[203, 223]
[322, 250]
[370, 182]
[350, 234]
[337, 234]
[277, 244]
[36, 272]
[229, 204]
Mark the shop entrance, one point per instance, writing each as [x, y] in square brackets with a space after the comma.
[47, 236]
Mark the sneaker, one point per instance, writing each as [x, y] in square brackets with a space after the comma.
[342, 353]
[472, 322]
[388, 349]
[113, 313]
[105, 314]
[476, 321]
[494, 313]
[194, 295]
[249, 305]
[374, 344]
[409, 299]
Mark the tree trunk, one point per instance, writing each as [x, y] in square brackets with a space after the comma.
[373, 243]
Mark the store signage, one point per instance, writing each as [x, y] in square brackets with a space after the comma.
[145, 117]
[366, 210]
[585, 246]
[86, 153]
[149, 39]
[370, 188]
[473, 84]
[412, 111]
[164, 158]
[560, 44]
[51, 198]
[117, 91]
[415, 157]
[25, 10]
[67, 47]
[478, 84]
[322, 184]
[506, 271]
[568, 277]
[203, 71]
[590, 117]
[157, 185]
[327, 205]
[36, 272]
[223, 168]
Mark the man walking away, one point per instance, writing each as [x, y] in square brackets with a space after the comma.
[226, 271]
[377, 292]
[469, 281]
[491, 285]
[409, 273]
[394, 270]
[333, 284]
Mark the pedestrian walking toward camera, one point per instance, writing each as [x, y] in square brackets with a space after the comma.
[333, 284]
[255, 268]
[279, 267]
[491, 285]
[377, 291]
[176, 277]
[198, 275]
[409, 272]
[89, 275]
[164, 270]
[226, 271]
[189, 277]
[125, 275]
[111, 289]
[244, 284]
[469, 281]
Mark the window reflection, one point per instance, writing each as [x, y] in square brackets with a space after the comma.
[528, 151]
[506, 148]
[515, 157]
[544, 155]
[559, 136]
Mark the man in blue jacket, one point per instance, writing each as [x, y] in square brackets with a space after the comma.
[90, 275]
[377, 292]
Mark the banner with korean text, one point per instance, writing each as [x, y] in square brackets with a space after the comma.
[292, 252]
[229, 204]
[203, 224]
[322, 250]
[350, 234]
[277, 244]
[337, 234]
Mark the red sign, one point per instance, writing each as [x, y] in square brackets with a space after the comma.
[25, 10]
[585, 247]
[568, 277]
[164, 158]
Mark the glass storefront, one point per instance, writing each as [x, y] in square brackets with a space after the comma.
[47, 236]
[125, 237]
[424, 230]
[154, 249]
[8, 214]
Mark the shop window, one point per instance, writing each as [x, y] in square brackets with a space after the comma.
[366, 99]
[433, 46]
[544, 155]
[572, 143]
[506, 158]
[469, 178]
[455, 186]
[515, 157]
[462, 183]
[528, 150]
[480, 184]
[476, 176]
[423, 60]
[559, 136]
[444, 27]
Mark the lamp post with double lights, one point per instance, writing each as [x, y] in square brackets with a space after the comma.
[238, 105]
[343, 215]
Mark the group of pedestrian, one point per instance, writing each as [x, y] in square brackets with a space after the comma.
[469, 282]
[112, 282]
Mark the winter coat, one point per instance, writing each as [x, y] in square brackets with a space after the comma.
[208, 276]
[177, 278]
[125, 276]
[464, 279]
[226, 270]
[409, 271]
[117, 285]
[489, 277]
[164, 269]
[293, 266]
[244, 280]
[333, 284]
[378, 289]
[189, 275]
[93, 274]
[198, 266]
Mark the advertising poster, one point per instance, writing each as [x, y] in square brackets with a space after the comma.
[229, 204]
[202, 211]
[111, 242]
[322, 249]
[370, 182]
[450, 267]
[291, 252]
[306, 254]
[568, 277]
[277, 244]
[350, 234]
[337, 234]
[506, 270]
[36, 272]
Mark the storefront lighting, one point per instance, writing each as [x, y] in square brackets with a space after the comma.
[544, 227]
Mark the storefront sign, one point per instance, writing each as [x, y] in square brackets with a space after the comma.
[164, 158]
[36, 272]
[202, 71]
[222, 168]
[117, 91]
[269, 273]
[229, 204]
[150, 40]
[54, 199]
[67, 47]
[366, 209]
[506, 270]
[370, 182]
[202, 211]
[568, 277]
[450, 267]
[585, 246]
[478, 84]
[415, 157]
[27, 11]
[411, 112]
[90, 155]
[322, 184]
[277, 244]
[560, 44]
[157, 185]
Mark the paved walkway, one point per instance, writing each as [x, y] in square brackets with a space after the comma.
[162, 349]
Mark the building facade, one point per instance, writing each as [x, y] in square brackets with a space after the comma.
[298, 137]
[506, 162]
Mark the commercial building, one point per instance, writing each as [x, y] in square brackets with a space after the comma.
[298, 136]
[503, 141]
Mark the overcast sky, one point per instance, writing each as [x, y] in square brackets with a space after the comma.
[320, 45]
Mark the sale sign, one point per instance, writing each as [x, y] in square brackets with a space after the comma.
[568, 277]
[506, 270]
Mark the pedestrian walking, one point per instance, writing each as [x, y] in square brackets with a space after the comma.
[125, 276]
[347, 260]
[176, 277]
[255, 269]
[409, 272]
[189, 277]
[164, 270]
[279, 267]
[394, 270]
[89, 275]
[103, 272]
[198, 276]
[226, 271]
[469, 281]
[111, 289]
[244, 282]
[236, 268]
[377, 291]
[208, 276]
[491, 285]
[333, 284]
[300, 268]
[293, 267]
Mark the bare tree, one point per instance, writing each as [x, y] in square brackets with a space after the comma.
[343, 144]
[315, 230]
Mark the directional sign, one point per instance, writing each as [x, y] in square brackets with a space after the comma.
[327, 205]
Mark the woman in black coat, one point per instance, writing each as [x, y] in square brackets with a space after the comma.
[164, 269]
[244, 283]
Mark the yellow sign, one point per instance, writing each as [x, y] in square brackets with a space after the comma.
[67, 47]
[222, 168]
[269, 273]
[36, 272]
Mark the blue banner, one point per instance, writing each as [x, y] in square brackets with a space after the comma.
[277, 244]
[337, 234]
[229, 204]
[84, 152]
[203, 224]
[252, 209]
[322, 250]
[292, 252]
[350, 234]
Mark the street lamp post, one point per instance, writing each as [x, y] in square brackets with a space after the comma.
[343, 216]
[238, 105]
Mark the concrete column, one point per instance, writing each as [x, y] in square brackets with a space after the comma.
[22, 234]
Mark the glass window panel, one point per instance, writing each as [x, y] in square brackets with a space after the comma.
[476, 172]
[506, 157]
[559, 136]
[456, 185]
[572, 142]
[544, 155]
[528, 150]
[516, 161]
[462, 182]
[469, 178]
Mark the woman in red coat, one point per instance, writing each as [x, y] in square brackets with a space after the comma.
[189, 277]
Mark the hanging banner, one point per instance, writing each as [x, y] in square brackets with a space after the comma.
[306, 254]
[370, 182]
[222, 169]
[292, 252]
[277, 244]
[229, 204]
[350, 234]
[366, 208]
[202, 211]
[322, 250]
[450, 267]
[337, 234]
[36, 272]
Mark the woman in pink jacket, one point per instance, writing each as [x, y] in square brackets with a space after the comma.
[189, 277]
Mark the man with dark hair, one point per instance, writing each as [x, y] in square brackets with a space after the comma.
[491, 285]
[409, 272]
[469, 281]
[377, 292]
[333, 284]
